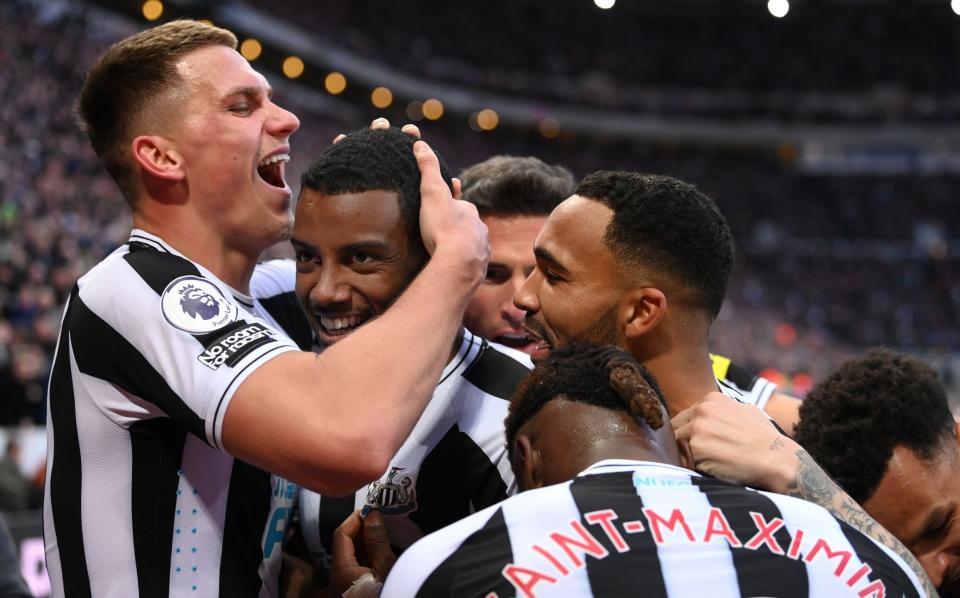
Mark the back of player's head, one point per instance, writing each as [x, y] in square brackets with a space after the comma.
[374, 160]
[509, 186]
[128, 84]
[853, 419]
[666, 226]
[604, 376]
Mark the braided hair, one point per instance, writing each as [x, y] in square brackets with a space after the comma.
[604, 376]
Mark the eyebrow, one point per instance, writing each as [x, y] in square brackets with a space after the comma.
[358, 246]
[249, 91]
[545, 255]
[933, 521]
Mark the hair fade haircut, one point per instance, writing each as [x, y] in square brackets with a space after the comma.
[604, 376]
[375, 159]
[667, 226]
[129, 80]
[510, 186]
[852, 420]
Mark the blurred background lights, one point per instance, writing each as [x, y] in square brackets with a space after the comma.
[605, 4]
[487, 119]
[432, 109]
[415, 110]
[335, 83]
[152, 9]
[955, 5]
[381, 97]
[292, 67]
[550, 127]
[251, 49]
[778, 8]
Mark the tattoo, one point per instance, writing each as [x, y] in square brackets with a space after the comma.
[812, 484]
[777, 444]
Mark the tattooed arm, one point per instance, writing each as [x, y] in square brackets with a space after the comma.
[737, 442]
[811, 483]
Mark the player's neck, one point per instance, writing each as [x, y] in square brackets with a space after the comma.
[633, 448]
[200, 244]
[685, 376]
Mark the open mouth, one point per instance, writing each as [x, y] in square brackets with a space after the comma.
[271, 170]
[334, 327]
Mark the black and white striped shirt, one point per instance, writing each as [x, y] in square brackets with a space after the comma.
[453, 463]
[140, 498]
[750, 388]
[635, 528]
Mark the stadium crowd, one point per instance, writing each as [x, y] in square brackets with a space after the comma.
[188, 381]
[61, 214]
[735, 63]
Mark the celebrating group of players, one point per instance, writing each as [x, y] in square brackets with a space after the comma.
[224, 427]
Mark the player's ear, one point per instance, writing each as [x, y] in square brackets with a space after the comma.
[641, 309]
[526, 464]
[157, 156]
[457, 188]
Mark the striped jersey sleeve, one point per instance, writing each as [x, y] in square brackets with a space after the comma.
[454, 462]
[273, 286]
[751, 388]
[622, 526]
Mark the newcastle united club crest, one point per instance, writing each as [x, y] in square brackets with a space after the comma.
[393, 496]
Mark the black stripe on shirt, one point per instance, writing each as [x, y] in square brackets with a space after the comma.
[884, 568]
[103, 353]
[495, 373]
[474, 568]
[157, 454]
[248, 506]
[616, 491]
[454, 476]
[285, 308]
[759, 572]
[65, 473]
[334, 510]
[159, 269]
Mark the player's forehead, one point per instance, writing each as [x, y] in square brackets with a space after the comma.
[345, 218]
[219, 71]
[574, 233]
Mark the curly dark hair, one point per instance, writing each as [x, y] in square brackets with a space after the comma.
[375, 159]
[605, 376]
[853, 419]
[668, 226]
[511, 186]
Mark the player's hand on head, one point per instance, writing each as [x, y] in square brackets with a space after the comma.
[733, 441]
[448, 224]
[361, 546]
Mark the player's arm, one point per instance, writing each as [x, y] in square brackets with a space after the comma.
[785, 410]
[737, 442]
[332, 422]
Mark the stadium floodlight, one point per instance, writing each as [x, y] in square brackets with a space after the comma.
[778, 8]
[955, 5]
[605, 4]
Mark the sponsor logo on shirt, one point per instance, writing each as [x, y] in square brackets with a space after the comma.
[235, 344]
[393, 496]
[196, 305]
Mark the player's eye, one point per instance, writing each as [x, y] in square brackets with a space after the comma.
[362, 257]
[304, 256]
[241, 108]
[497, 275]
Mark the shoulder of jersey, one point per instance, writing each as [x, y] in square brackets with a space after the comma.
[516, 355]
[273, 277]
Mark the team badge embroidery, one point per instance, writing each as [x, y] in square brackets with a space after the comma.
[195, 305]
[393, 496]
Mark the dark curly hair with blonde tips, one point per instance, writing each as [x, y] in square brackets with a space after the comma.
[375, 160]
[853, 419]
[604, 376]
